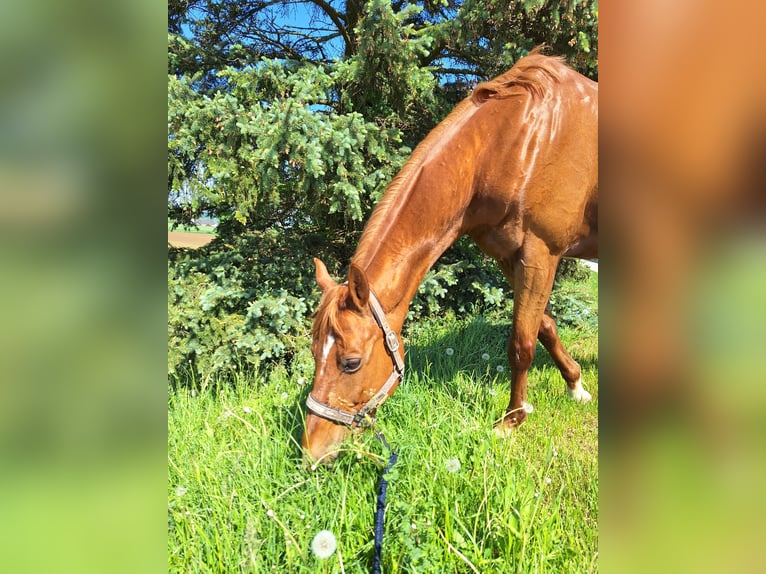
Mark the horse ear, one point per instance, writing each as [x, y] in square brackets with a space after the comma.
[358, 287]
[323, 277]
[482, 93]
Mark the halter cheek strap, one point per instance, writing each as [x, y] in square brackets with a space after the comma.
[366, 415]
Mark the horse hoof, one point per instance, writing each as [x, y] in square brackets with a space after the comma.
[579, 394]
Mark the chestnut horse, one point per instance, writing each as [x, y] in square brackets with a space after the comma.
[514, 166]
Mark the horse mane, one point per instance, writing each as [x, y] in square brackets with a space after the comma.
[394, 198]
[534, 74]
[326, 315]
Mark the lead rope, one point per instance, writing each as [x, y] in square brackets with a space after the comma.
[380, 507]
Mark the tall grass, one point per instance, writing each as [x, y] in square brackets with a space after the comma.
[242, 499]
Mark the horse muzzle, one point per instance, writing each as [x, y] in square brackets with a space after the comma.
[322, 439]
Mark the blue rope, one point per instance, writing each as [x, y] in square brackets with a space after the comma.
[380, 507]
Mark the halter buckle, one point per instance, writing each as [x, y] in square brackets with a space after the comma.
[392, 342]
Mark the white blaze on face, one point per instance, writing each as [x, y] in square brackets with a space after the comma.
[328, 344]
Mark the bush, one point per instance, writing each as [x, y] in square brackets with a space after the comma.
[235, 306]
[571, 269]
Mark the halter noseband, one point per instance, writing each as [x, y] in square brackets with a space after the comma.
[367, 413]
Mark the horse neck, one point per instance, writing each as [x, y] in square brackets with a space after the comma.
[411, 228]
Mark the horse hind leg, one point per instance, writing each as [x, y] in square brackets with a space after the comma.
[567, 366]
[532, 273]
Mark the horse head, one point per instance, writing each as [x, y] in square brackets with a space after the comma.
[357, 362]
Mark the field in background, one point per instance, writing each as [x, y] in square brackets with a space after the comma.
[190, 236]
[190, 239]
[242, 499]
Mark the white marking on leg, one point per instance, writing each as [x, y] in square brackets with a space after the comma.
[578, 393]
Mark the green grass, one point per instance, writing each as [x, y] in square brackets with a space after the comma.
[242, 499]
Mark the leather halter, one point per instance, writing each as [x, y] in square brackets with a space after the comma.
[366, 415]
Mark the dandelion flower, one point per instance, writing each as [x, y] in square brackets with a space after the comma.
[500, 368]
[450, 351]
[324, 544]
[452, 465]
[180, 491]
[485, 356]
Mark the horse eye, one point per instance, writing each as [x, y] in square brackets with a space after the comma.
[351, 365]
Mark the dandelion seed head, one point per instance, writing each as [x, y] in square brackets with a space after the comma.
[537, 494]
[180, 491]
[529, 409]
[547, 480]
[270, 513]
[324, 544]
[500, 368]
[450, 351]
[485, 356]
[452, 465]
[246, 410]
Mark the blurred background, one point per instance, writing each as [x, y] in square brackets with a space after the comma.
[83, 138]
[683, 286]
[82, 288]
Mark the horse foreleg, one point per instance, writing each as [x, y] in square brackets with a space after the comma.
[532, 272]
[570, 370]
